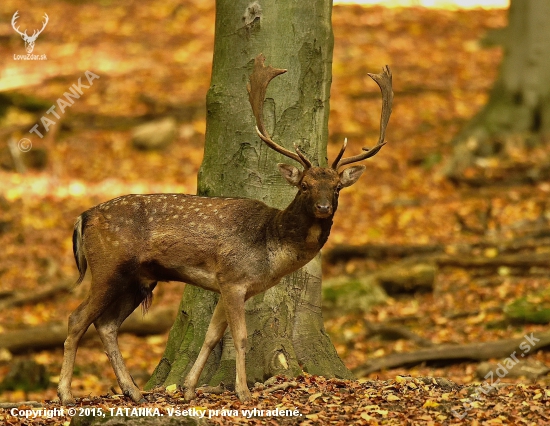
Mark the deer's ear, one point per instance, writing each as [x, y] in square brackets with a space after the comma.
[290, 173]
[349, 176]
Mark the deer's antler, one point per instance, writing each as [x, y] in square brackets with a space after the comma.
[259, 80]
[13, 19]
[36, 33]
[384, 81]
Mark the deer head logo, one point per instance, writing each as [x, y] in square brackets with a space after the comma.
[29, 40]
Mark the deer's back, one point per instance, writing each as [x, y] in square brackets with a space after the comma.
[179, 237]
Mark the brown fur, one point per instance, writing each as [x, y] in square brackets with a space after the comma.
[234, 246]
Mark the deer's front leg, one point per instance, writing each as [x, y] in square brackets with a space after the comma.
[234, 308]
[215, 331]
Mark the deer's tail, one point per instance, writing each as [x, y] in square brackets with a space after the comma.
[78, 250]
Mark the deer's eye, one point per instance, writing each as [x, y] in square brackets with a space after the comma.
[304, 186]
[338, 188]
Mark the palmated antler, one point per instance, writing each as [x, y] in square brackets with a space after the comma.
[384, 81]
[259, 80]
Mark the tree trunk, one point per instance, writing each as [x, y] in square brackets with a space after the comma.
[285, 326]
[518, 110]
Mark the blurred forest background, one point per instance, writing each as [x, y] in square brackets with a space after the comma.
[438, 261]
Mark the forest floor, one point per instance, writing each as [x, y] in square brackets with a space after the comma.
[154, 59]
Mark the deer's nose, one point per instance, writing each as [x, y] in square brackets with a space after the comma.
[323, 208]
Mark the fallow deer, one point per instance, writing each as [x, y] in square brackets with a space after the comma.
[233, 246]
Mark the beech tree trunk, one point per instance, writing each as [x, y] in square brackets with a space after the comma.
[519, 103]
[285, 327]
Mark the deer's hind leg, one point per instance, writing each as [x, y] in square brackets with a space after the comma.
[97, 301]
[215, 331]
[107, 326]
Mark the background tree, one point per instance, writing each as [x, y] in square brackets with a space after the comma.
[519, 103]
[286, 331]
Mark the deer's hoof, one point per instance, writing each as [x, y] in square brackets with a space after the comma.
[244, 395]
[189, 394]
[135, 395]
[66, 398]
[68, 401]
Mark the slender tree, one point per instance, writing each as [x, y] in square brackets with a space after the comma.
[519, 103]
[285, 325]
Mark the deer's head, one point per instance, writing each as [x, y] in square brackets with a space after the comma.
[318, 187]
[29, 40]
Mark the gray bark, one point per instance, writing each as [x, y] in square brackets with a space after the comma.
[519, 103]
[285, 327]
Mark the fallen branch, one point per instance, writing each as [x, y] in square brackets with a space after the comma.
[18, 299]
[395, 332]
[407, 276]
[472, 351]
[9, 405]
[457, 315]
[534, 239]
[512, 174]
[344, 252]
[6, 294]
[216, 390]
[269, 387]
[523, 260]
[54, 334]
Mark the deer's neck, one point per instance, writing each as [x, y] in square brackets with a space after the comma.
[298, 228]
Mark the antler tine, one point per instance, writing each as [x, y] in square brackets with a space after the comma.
[384, 81]
[259, 80]
[36, 33]
[44, 23]
[339, 156]
[305, 161]
[13, 19]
